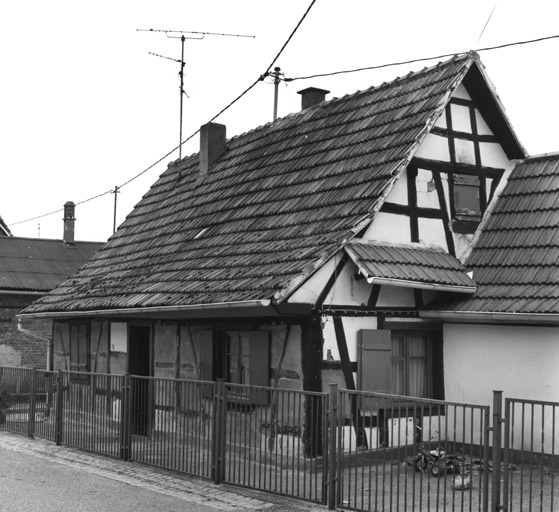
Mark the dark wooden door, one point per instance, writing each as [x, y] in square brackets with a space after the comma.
[139, 365]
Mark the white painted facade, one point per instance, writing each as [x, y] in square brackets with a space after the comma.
[521, 361]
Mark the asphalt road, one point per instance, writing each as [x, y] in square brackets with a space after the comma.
[37, 475]
[30, 484]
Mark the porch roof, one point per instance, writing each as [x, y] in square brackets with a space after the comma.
[414, 265]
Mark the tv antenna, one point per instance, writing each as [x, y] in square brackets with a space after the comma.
[183, 35]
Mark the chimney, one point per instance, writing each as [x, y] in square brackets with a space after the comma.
[69, 219]
[212, 146]
[312, 96]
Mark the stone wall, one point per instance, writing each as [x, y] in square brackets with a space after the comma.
[16, 348]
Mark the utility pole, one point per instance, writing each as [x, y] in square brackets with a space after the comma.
[276, 75]
[115, 192]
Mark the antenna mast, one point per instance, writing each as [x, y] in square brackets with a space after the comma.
[174, 34]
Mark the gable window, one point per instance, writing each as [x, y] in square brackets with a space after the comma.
[404, 362]
[79, 347]
[466, 193]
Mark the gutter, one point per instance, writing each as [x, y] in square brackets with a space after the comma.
[147, 309]
[22, 292]
[492, 317]
[424, 286]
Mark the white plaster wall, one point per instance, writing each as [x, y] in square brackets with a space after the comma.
[431, 232]
[434, 147]
[523, 362]
[389, 228]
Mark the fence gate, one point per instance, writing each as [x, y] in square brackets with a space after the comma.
[398, 453]
[530, 456]
[273, 440]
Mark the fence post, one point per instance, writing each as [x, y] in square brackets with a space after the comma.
[31, 409]
[219, 432]
[58, 412]
[125, 418]
[497, 450]
[332, 454]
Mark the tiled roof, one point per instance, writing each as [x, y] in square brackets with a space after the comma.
[516, 258]
[38, 265]
[418, 265]
[280, 201]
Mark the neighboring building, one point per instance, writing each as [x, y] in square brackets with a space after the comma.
[302, 252]
[29, 268]
[505, 336]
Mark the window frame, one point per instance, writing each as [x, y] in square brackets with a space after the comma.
[214, 352]
[78, 334]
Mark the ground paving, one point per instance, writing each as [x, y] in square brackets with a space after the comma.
[191, 489]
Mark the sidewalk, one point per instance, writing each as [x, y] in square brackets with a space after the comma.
[183, 487]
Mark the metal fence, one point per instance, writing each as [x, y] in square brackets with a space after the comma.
[531, 458]
[347, 449]
[397, 453]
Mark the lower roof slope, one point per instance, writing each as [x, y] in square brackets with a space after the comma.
[38, 265]
[515, 261]
[282, 199]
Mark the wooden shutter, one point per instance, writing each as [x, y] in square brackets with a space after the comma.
[375, 353]
[205, 354]
[259, 366]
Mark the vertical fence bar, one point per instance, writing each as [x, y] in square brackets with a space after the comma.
[332, 466]
[125, 419]
[31, 408]
[506, 455]
[59, 407]
[219, 418]
[496, 476]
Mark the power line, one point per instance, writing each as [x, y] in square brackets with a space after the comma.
[412, 61]
[260, 78]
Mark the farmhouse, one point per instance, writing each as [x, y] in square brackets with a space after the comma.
[301, 253]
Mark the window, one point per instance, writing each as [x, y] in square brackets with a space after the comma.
[79, 347]
[401, 361]
[467, 205]
[411, 364]
[238, 357]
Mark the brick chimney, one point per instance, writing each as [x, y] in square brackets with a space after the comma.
[69, 220]
[212, 146]
[312, 96]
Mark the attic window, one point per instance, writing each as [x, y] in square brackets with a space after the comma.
[201, 233]
[467, 204]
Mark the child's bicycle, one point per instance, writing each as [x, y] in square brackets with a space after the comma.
[436, 462]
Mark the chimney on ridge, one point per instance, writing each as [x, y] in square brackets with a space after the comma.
[212, 145]
[69, 220]
[312, 96]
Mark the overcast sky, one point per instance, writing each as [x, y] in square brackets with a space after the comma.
[84, 107]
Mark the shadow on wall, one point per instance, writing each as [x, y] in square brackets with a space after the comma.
[9, 356]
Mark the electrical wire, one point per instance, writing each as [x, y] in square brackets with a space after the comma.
[260, 78]
[412, 61]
